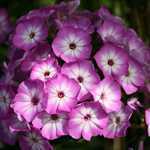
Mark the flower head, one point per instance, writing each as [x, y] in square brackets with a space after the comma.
[112, 60]
[86, 120]
[29, 33]
[84, 73]
[72, 44]
[30, 99]
[62, 94]
[51, 126]
[108, 94]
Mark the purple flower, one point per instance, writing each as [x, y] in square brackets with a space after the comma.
[111, 31]
[62, 94]
[40, 53]
[52, 126]
[133, 79]
[44, 12]
[6, 95]
[136, 47]
[31, 140]
[78, 22]
[5, 135]
[108, 93]
[87, 120]
[105, 14]
[5, 25]
[29, 33]
[112, 60]
[72, 44]
[84, 73]
[30, 99]
[147, 119]
[118, 123]
[17, 125]
[44, 70]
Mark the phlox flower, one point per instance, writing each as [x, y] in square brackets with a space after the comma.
[72, 44]
[108, 93]
[5, 25]
[44, 70]
[133, 79]
[6, 96]
[17, 124]
[51, 126]
[118, 123]
[6, 135]
[32, 140]
[30, 99]
[86, 120]
[78, 22]
[29, 33]
[112, 31]
[39, 53]
[84, 73]
[112, 60]
[62, 94]
[105, 15]
[136, 47]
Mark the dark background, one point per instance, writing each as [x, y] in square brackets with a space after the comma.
[135, 13]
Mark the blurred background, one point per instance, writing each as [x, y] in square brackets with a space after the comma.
[135, 13]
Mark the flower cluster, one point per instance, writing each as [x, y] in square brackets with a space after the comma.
[56, 83]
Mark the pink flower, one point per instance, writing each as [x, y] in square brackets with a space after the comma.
[133, 79]
[62, 94]
[29, 33]
[72, 44]
[108, 93]
[44, 70]
[30, 99]
[84, 73]
[118, 123]
[51, 126]
[87, 120]
[112, 60]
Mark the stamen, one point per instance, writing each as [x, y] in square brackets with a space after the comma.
[72, 46]
[61, 94]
